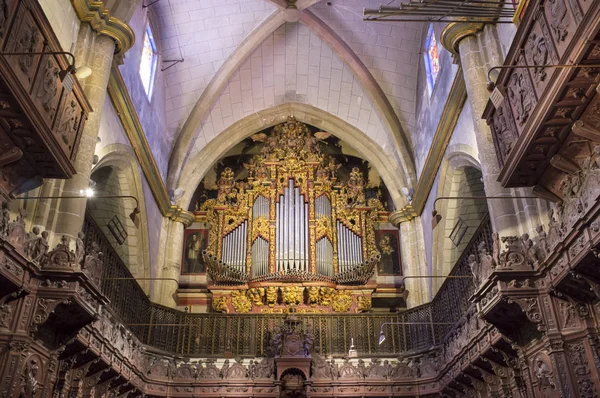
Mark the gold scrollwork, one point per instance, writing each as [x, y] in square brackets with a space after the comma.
[292, 295]
[364, 303]
[326, 295]
[260, 227]
[271, 295]
[323, 228]
[342, 301]
[256, 296]
[219, 304]
[240, 302]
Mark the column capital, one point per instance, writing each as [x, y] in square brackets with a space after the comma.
[103, 23]
[406, 213]
[454, 32]
[177, 214]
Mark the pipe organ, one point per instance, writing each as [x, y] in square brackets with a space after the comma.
[291, 218]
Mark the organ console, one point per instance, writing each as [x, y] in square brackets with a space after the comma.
[291, 219]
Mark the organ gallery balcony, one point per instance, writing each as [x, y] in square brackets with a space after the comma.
[42, 106]
[546, 120]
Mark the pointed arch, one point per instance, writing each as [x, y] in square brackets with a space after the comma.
[192, 125]
[196, 168]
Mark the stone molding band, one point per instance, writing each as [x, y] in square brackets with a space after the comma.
[121, 100]
[448, 119]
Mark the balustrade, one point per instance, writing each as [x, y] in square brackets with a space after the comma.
[201, 335]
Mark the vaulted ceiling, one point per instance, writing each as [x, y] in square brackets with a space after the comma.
[243, 57]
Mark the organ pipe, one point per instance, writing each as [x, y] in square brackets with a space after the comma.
[267, 218]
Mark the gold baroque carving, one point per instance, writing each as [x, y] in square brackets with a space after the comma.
[342, 301]
[219, 304]
[103, 23]
[240, 302]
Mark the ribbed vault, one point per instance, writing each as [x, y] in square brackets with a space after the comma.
[217, 40]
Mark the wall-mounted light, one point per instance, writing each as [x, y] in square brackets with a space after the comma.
[65, 75]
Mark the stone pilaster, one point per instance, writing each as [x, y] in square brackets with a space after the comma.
[164, 291]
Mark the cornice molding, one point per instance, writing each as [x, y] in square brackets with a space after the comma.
[448, 119]
[135, 133]
[102, 22]
[454, 32]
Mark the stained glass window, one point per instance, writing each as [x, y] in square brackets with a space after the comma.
[432, 61]
[148, 62]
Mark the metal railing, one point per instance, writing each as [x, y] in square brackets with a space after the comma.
[209, 335]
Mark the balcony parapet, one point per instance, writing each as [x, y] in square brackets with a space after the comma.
[43, 108]
[533, 125]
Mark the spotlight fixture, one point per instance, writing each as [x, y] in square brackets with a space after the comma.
[134, 216]
[381, 337]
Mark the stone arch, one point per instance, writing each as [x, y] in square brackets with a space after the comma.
[196, 168]
[460, 175]
[202, 108]
[117, 174]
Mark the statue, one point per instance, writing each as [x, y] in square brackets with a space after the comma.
[30, 240]
[326, 295]
[496, 249]
[362, 370]
[29, 383]
[333, 369]
[4, 220]
[387, 369]
[486, 263]
[529, 251]
[542, 242]
[79, 248]
[543, 374]
[251, 369]
[306, 345]
[225, 369]
[474, 265]
[40, 248]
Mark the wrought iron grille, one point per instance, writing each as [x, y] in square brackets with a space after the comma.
[209, 335]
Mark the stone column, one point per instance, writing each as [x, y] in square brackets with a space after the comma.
[101, 53]
[164, 291]
[478, 48]
[412, 248]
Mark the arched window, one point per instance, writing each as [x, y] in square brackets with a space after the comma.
[432, 61]
[148, 61]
